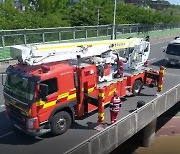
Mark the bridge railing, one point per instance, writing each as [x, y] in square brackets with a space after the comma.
[60, 34]
[114, 135]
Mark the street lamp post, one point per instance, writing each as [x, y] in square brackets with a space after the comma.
[98, 18]
[114, 20]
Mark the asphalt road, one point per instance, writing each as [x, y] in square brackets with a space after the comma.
[12, 142]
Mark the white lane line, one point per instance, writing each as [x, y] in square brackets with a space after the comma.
[6, 134]
[2, 105]
[152, 59]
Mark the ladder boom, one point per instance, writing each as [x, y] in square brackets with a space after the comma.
[45, 53]
[134, 52]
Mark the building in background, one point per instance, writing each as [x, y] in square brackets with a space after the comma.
[160, 4]
[19, 5]
[136, 2]
[156, 4]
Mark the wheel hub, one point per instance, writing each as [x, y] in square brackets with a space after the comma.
[137, 88]
[61, 124]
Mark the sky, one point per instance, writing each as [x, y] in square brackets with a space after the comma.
[174, 2]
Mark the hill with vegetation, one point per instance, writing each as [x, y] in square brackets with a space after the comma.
[60, 13]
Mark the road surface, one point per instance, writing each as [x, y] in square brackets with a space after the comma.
[12, 142]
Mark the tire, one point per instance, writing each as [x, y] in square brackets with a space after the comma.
[137, 87]
[60, 123]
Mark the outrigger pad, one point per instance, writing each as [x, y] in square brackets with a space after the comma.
[140, 104]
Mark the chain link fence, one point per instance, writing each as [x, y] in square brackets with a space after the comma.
[80, 33]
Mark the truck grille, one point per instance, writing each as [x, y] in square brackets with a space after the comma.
[16, 115]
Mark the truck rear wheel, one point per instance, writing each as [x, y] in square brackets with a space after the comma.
[60, 123]
[137, 87]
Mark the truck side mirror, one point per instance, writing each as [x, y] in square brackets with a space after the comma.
[43, 91]
[164, 49]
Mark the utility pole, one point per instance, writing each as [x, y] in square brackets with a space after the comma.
[98, 18]
[114, 20]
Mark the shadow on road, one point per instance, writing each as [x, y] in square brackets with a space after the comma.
[5, 125]
[159, 63]
[8, 135]
[163, 62]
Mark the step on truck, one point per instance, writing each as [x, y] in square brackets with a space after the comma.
[53, 84]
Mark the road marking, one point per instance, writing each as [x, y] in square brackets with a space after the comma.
[6, 134]
[168, 126]
[152, 59]
[164, 135]
[2, 105]
[176, 117]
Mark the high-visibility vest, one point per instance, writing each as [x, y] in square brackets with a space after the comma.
[115, 104]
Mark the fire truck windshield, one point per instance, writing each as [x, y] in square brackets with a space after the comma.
[21, 88]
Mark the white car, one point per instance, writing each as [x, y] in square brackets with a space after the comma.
[173, 52]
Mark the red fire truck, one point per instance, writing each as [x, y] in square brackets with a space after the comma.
[53, 84]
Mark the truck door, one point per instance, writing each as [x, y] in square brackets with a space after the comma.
[44, 107]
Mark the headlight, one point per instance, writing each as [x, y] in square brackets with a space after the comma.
[31, 122]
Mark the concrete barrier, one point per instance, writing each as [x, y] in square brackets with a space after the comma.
[114, 135]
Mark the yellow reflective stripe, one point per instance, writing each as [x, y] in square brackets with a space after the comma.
[101, 95]
[49, 104]
[112, 91]
[160, 86]
[95, 43]
[29, 113]
[90, 90]
[40, 102]
[71, 96]
[23, 111]
[162, 71]
[101, 115]
[63, 95]
[107, 103]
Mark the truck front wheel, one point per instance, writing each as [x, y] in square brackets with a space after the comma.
[60, 123]
[137, 87]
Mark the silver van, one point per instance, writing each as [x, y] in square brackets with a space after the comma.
[173, 52]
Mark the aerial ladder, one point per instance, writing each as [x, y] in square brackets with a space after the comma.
[133, 52]
[68, 80]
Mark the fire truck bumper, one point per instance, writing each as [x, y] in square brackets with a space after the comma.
[29, 132]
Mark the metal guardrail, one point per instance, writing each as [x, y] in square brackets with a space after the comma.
[60, 34]
[114, 135]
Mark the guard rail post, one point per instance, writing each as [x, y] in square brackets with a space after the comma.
[161, 76]
[101, 98]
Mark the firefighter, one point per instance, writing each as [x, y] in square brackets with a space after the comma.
[115, 106]
[119, 72]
